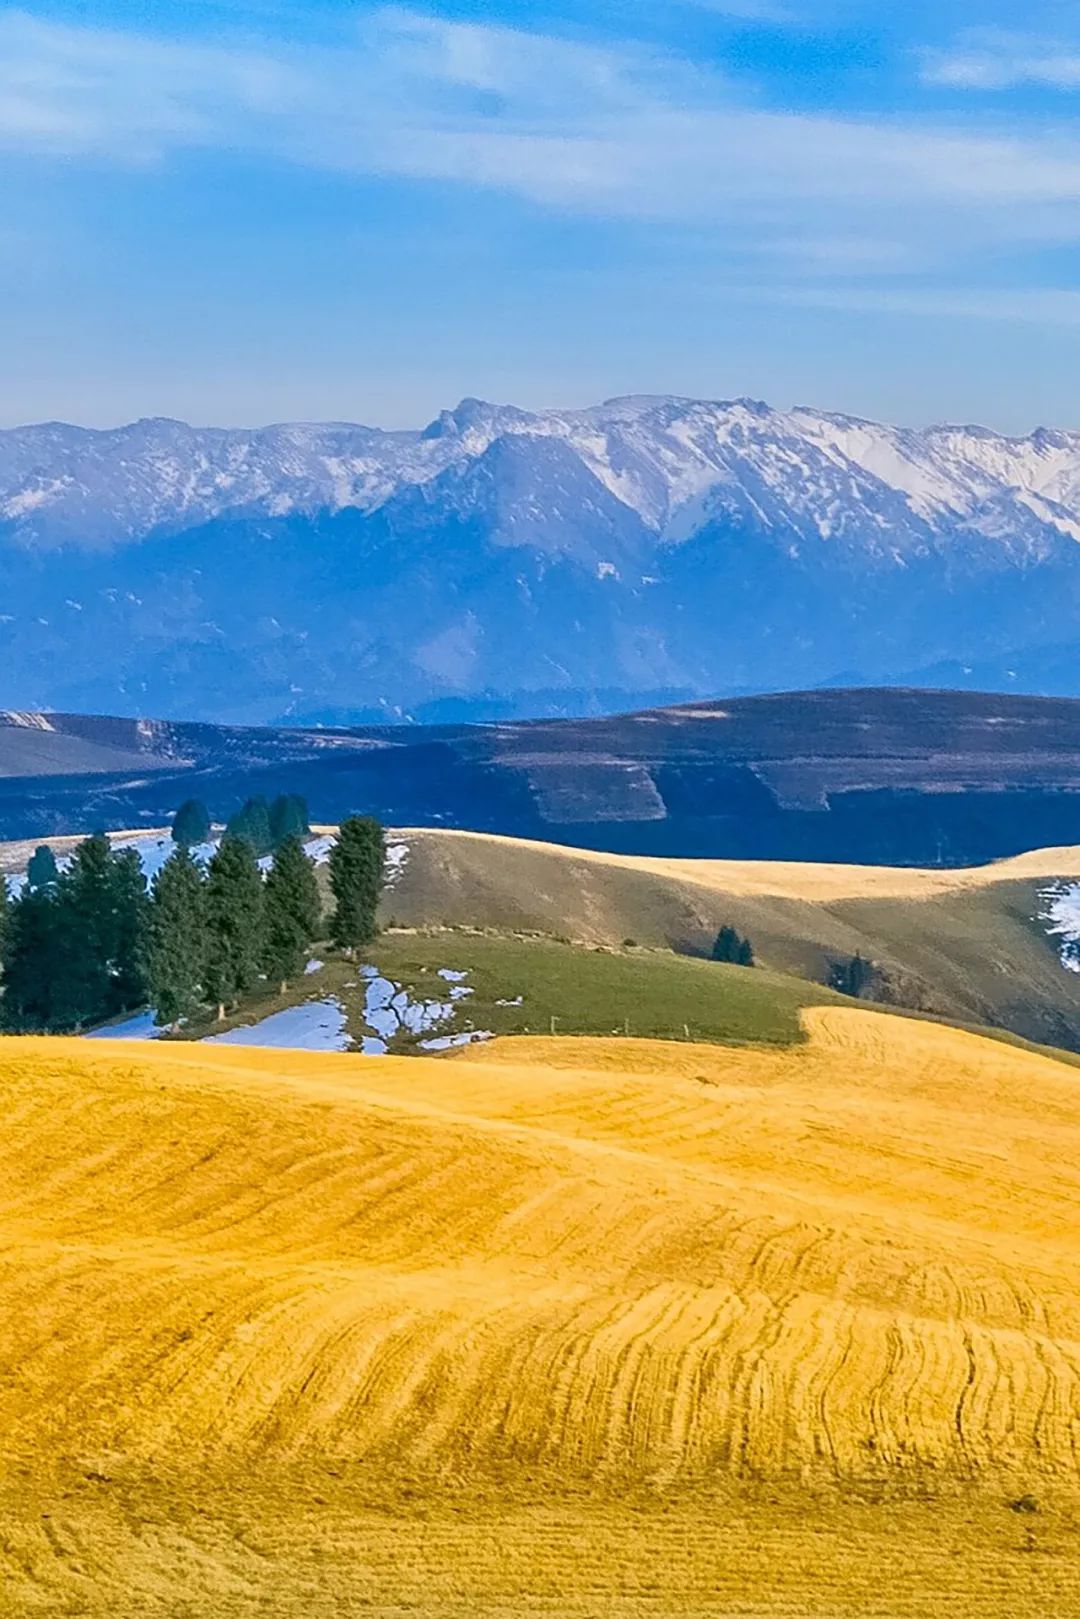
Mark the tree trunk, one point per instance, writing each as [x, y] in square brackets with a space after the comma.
[221, 1011]
[284, 990]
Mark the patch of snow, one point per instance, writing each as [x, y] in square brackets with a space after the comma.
[318, 849]
[311, 1026]
[1061, 914]
[519, 1000]
[314, 966]
[397, 858]
[154, 851]
[389, 1010]
[467, 1037]
[452, 976]
[139, 1027]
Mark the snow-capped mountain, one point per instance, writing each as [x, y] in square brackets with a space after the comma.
[642, 545]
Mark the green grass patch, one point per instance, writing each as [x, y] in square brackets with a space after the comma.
[540, 986]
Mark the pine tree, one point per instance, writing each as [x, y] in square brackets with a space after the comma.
[234, 922]
[85, 897]
[852, 976]
[130, 923]
[357, 860]
[31, 963]
[177, 939]
[42, 870]
[292, 912]
[191, 824]
[745, 954]
[727, 944]
[252, 823]
[288, 818]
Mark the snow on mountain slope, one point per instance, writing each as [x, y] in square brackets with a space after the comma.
[673, 462]
[646, 544]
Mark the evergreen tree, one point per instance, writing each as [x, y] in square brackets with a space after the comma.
[234, 922]
[176, 939]
[852, 976]
[87, 930]
[33, 964]
[357, 860]
[292, 912]
[191, 824]
[730, 946]
[130, 924]
[42, 870]
[252, 823]
[288, 818]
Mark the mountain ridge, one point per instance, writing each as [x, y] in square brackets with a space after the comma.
[889, 776]
[647, 543]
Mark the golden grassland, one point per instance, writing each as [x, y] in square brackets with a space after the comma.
[581, 1327]
[812, 881]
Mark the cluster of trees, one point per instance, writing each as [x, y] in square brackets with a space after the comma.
[263, 825]
[90, 943]
[72, 941]
[730, 946]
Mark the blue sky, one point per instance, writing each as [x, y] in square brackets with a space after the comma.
[251, 211]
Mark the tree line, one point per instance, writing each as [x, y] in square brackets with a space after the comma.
[92, 942]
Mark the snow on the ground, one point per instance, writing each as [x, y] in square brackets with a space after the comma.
[466, 1037]
[518, 1000]
[153, 851]
[1061, 916]
[397, 858]
[314, 966]
[311, 1026]
[139, 1027]
[318, 849]
[390, 1010]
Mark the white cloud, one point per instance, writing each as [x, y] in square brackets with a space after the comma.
[992, 59]
[619, 132]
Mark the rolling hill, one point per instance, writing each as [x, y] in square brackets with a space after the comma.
[562, 1328]
[881, 777]
[973, 945]
[529, 561]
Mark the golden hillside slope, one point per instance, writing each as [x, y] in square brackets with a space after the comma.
[566, 1327]
[808, 880]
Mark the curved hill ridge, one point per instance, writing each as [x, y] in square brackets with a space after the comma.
[885, 777]
[812, 881]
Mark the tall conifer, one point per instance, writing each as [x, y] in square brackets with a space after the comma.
[234, 922]
[191, 824]
[292, 912]
[177, 938]
[42, 870]
[252, 823]
[288, 818]
[32, 963]
[357, 860]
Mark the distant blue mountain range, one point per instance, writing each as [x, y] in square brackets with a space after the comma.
[504, 562]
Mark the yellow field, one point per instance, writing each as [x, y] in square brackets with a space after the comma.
[815, 882]
[588, 1328]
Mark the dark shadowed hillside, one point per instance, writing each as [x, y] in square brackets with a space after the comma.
[893, 776]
